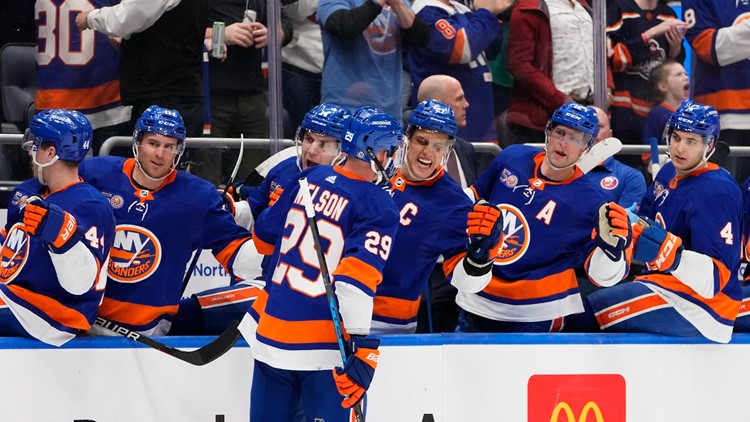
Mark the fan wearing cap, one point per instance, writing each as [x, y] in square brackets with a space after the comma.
[57, 238]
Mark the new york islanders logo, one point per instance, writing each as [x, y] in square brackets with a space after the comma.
[14, 252]
[609, 183]
[517, 235]
[135, 254]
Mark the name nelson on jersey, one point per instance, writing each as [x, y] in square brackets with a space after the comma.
[326, 202]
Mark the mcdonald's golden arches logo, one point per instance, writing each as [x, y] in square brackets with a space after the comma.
[563, 408]
[576, 398]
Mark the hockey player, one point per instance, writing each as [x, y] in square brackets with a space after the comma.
[433, 218]
[318, 142]
[548, 212]
[690, 243]
[290, 329]
[162, 215]
[57, 238]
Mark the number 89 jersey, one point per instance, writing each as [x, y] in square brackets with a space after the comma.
[357, 222]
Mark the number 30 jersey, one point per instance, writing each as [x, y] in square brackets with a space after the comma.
[357, 222]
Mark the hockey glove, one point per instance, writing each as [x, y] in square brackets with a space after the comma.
[612, 233]
[51, 224]
[274, 196]
[485, 230]
[659, 249]
[354, 379]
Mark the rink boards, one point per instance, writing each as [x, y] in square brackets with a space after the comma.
[448, 377]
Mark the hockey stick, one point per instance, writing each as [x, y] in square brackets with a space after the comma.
[655, 166]
[598, 153]
[256, 177]
[721, 151]
[198, 357]
[332, 306]
[197, 255]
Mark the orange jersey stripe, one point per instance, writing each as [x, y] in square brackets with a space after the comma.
[722, 304]
[703, 45]
[56, 310]
[458, 47]
[532, 289]
[296, 332]
[262, 247]
[133, 313]
[395, 308]
[226, 253]
[450, 264]
[78, 99]
[359, 270]
[727, 99]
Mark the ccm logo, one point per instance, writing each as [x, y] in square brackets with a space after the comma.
[666, 250]
[618, 312]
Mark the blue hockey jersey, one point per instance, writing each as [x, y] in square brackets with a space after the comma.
[458, 40]
[433, 223]
[704, 210]
[53, 295]
[157, 232]
[547, 227]
[77, 70]
[357, 222]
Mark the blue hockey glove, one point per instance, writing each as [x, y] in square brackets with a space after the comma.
[51, 224]
[659, 249]
[612, 233]
[485, 230]
[354, 379]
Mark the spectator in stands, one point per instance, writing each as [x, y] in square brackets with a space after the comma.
[57, 238]
[621, 183]
[82, 74]
[362, 48]
[502, 82]
[458, 40]
[302, 61]
[237, 85]
[551, 49]
[641, 35]
[161, 55]
[719, 33]
[669, 86]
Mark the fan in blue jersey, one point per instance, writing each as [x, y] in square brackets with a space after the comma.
[688, 239]
[434, 212]
[317, 142]
[548, 213]
[57, 237]
[290, 328]
[162, 215]
[742, 324]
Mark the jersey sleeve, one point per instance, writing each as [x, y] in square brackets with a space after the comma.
[703, 23]
[218, 231]
[460, 38]
[482, 187]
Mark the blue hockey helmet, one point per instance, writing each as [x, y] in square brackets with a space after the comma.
[68, 130]
[578, 117]
[326, 119]
[695, 118]
[433, 115]
[370, 128]
[161, 121]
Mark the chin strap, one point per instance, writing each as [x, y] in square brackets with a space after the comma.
[40, 167]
